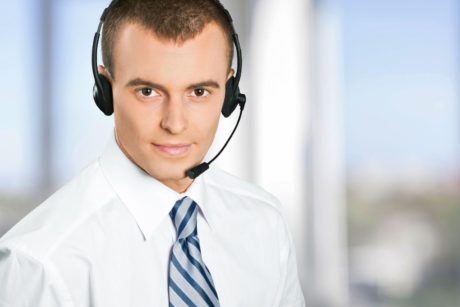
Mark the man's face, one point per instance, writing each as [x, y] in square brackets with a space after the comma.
[167, 99]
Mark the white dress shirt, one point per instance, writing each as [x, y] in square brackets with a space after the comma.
[104, 240]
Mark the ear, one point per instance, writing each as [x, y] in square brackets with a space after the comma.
[103, 71]
[230, 73]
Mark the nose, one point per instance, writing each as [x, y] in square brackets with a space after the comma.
[174, 120]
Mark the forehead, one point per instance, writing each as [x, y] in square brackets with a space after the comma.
[139, 52]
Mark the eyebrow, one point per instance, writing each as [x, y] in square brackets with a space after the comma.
[139, 81]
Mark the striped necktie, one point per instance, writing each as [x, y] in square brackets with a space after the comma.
[190, 282]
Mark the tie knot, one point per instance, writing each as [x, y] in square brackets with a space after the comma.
[183, 215]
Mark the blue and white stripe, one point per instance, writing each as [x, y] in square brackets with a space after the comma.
[190, 282]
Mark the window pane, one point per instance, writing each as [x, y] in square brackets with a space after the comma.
[403, 157]
[19, 94]
[80, 129]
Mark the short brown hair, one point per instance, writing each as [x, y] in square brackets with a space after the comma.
[175, 20]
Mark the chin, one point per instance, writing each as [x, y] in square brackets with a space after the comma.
[175, 172]
[162, 168]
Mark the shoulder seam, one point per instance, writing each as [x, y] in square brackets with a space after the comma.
[241, 192]
[78, 222]
[45, 265]
[269, 198]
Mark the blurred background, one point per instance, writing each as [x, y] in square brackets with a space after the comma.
[353, 121]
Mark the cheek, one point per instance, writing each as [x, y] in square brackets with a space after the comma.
[130, 118]
[207, 126]
[213, 118]
[125, 117]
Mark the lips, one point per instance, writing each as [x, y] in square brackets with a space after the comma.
[174, 150]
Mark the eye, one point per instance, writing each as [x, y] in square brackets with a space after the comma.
[200, 92]
[147, 92]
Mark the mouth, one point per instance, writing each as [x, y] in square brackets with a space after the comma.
[173, 150]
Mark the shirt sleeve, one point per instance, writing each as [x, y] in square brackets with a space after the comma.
[26, 282]
[291, 292]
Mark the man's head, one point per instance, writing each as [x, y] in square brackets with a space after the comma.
[168, 90]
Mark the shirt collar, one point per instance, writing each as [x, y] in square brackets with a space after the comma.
[148, 200]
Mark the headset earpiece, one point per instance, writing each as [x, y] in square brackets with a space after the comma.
[230, 102]
[233, 98]
[102, 94]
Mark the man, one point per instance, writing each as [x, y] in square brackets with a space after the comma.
[132, 229]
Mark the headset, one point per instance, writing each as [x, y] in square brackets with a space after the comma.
[102, 90]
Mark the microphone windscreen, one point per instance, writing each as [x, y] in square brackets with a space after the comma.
[197, 170]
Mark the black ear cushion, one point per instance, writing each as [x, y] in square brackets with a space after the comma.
[103, 95]
[230, 101]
